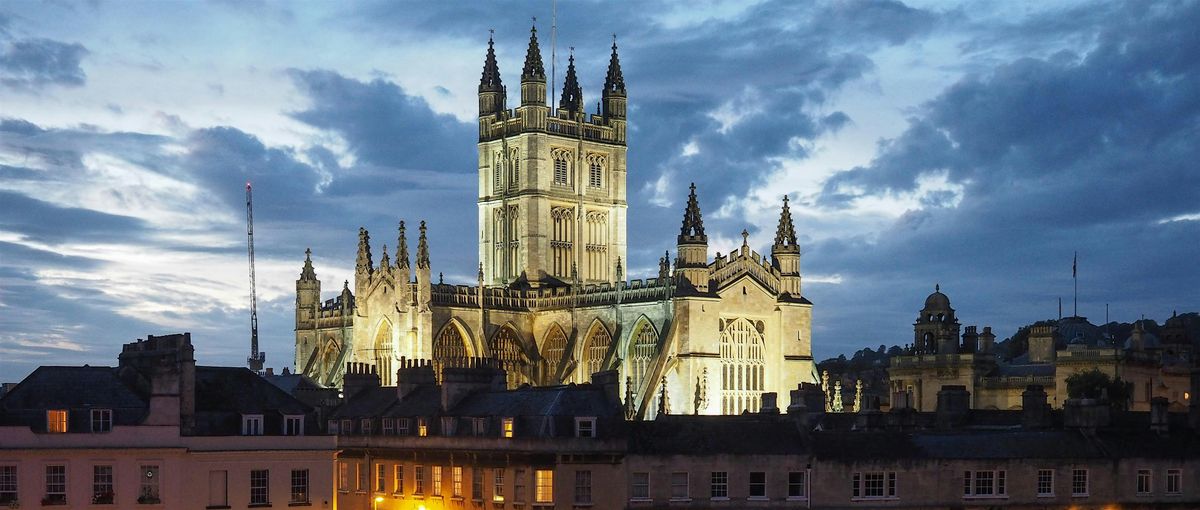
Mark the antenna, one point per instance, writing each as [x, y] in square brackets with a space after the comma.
[257, 359]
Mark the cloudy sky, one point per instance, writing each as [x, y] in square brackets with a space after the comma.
[977, 145]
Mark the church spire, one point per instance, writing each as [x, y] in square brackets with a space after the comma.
[422, 250]
[490, 81]
[402, 248]
[364, 263]
[534, 70]
[572, 94]
[785, 235]
[614, 82]
[308, 274]
[693, 226]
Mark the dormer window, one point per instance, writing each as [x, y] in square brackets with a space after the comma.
[366, 426]
[422, 428]
[448, 425]
[585, 427]
[388, 428]
[403, 426]
[101, 420]
[56, 421]
[252, 424]
[478, 426]
[347, 426]
[506, 429]
[293, 425]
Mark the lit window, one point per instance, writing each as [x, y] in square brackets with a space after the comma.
[56, 484]
[343, 475]
[398, 486]
[422, 428]
[543, 483]
[583, 487]
[456, 481]
[1143, 482]
[380, 477]
[56, 421]
[299, 486]
[498, 485]
[293, 425]
[8, 484]
[102, 485]
[148, 494]
[679, 486]
[758, 484]
[252, 425]
[437, 480]
[507, 429]
[260, 487]
[720, 484]
[639, 486]
[585, 427]
[1174, 481]
[797, 485]
[1079, 482]
[101, 420]
[1045, 483]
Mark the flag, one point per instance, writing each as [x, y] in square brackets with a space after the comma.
[1075, 265]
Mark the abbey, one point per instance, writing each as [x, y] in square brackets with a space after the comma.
[552, 304]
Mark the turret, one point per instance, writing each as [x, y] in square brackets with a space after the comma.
[424, 283]
[692, 265]
[491, 89]
[572, 95]
[308, 292]
[614, 98]
[533, 76]
[785, 254]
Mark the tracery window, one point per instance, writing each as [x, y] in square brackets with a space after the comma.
[742, 366]
[596, 172]
[597, 348]
[449, 349]
[553, 350]
[562, 167]
[562, 240]
[383, 353]
[642, 351]
[506, 347]
[596, 263]
[505, 243]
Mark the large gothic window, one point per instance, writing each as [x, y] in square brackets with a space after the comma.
[449, 349]
[597, 344]
[596, 263]
[506, 347]
[562, 240]
[383, 353]
[553, 350]
[742, 366]
[506, 243]
[642, 351]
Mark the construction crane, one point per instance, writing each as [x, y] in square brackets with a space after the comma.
[257, 359]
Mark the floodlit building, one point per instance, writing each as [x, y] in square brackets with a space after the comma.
[156, 431]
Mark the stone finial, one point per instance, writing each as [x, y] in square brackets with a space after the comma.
[837, 396]
[620, 271]
[402, 248]
[534, 70]
[422, 249]
[364, 263]
[490, 81]
[693, 224]
[858, 393]
[785, 234]
[664, 406]
[630, 407]
[307, 273]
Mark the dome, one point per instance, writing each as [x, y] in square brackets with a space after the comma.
[937, 300]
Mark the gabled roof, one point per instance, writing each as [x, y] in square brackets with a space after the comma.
[74, 389]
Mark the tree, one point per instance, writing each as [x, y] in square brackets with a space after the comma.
[1095, 384]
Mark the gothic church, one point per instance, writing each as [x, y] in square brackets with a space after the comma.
[552, 304]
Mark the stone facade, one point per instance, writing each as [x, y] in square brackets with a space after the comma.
[552, 303]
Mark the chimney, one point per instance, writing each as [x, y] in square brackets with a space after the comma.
[610, 381]
[1159, 417]
[270, 371]
[412, 374]
[769, 403]
[168, 363]
[970, 340]
[987, 340]
[358, 377]
[953, 405]
[1035, 411]
[1086, 413]
[459, 382]
[808, 403]
[869, 417]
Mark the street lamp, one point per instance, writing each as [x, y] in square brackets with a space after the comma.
[376, 502]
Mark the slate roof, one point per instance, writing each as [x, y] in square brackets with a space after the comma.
[224, 394]
[698, 435]
[76, 389]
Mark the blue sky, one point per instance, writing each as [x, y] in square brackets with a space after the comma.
[977, 145]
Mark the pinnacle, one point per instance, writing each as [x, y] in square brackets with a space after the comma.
[490, 81]
[614, 81]
[785, 235]
[572, 94]
[422, 250]
[693, 225]
[534, 70]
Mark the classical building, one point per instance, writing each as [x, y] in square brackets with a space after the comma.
[468, 443]
[157, 431]
[943, 354]
[552, 303]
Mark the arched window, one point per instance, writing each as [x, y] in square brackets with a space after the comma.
[595, 173]
[514, 168]
[562, 240]
[560, 171]
[505, 242]
[449, 349]
[383, 352]
[596, 350]
[506, 347]
[642, 351]
[742, 367]
[553, 351]
[596, 248]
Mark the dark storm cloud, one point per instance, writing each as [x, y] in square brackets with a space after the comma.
[1092, 153]
[34, 63]
[46, 223]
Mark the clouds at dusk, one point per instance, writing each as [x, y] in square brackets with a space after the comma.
[921, 143]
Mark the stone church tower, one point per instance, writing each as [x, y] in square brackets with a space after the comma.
[551, 184]
[552, 304]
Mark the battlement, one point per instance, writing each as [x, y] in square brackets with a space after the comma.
[509, 123]
[555, 298]
[746, 261]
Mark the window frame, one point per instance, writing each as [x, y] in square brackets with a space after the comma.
[802, 484]
[1140, 476]
[419, 480]
[507, 427]
[58, 421]
[105, 421]
[293, 424]
[985, 484]
[686, 494]
[519, 484]
[456, 481]
[863, 482]
[761, 485]
[59, 482]
[583, 487]
[343, 474]
[100, 496]
[1174, 477]
[252, 424]
[1075, 481]
[498, 485]
[387, 427]
[639, 486]
[300, 492]
[260, 480]
[718, 486]
[543, 493]
[585, 423]
[477, 484]
[380, 477]
[10, 484]
[398, 479]
[435, 479]
[149, 484]
[1049, 483]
